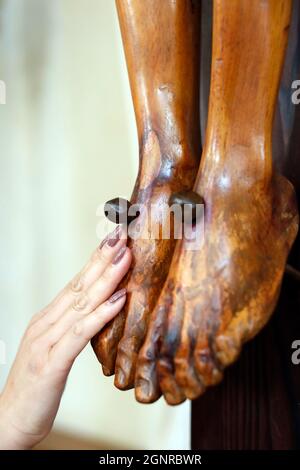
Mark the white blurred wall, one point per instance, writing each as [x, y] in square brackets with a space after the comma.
[67, 144]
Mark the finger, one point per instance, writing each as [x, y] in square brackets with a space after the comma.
[63, 354]
[100, 258]
[98, 293]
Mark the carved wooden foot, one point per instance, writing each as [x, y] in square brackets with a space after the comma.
[161, 42]
[219, 296]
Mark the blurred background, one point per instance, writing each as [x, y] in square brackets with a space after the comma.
[68, 143]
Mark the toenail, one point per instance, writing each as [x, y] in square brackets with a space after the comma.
[106, 371]
[120, 377]
[169, 397]
[143, 388]
[204, 357]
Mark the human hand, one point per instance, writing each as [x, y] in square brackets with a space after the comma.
[54, 338]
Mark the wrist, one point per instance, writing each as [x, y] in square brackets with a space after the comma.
[10, 437]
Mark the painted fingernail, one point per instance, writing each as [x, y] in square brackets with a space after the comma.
[120, 255]
[117, 295]
[116, 235]
[112, 239]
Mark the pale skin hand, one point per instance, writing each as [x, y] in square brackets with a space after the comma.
[53, 340]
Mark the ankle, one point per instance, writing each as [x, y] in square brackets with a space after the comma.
[231, 166]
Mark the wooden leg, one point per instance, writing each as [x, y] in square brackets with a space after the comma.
[257, 404]
[220, 296]
[161, 43]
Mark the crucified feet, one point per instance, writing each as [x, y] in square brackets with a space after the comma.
[161, 42]
[190, 311]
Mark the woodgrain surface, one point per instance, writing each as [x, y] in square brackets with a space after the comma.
[257, 405]
[161, 43]
[220, 296]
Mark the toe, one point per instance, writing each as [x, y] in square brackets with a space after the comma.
[165, 366]
[206, 367]
[146, 383]
[125, 364]
[187, 378]
[227, 348]
[170, 389]
[147, 389]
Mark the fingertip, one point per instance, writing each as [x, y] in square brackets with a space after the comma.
[109, 247]
[129, 252]
[123, 257]
[117, 296]
[113, 306]
[128, 256]
[113, 238]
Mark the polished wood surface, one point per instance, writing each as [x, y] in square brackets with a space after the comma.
[220, 296]
[256, 406]
[161, 43]
[190, 311]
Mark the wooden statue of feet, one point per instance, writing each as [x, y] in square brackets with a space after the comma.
[220, 295]
[161, 43]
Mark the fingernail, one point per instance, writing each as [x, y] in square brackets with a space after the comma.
[111, 239]
[120, 255]
[116, 235]
[117, 295]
